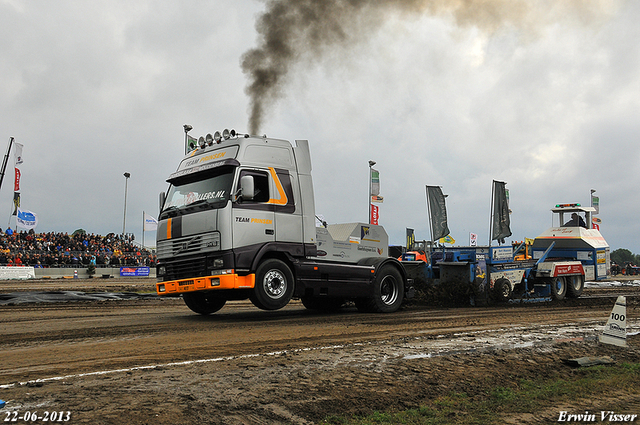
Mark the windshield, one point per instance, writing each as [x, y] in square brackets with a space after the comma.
[210, 189]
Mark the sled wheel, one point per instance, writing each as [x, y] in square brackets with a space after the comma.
[575, 286]
[274, 285]
[558, 288]
[203, 303]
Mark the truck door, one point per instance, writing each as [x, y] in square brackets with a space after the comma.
[253, 220]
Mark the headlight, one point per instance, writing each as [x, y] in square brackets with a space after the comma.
[161, 287]
[161, 270]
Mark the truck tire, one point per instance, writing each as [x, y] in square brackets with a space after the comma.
[274, 285]
[387, 292]
[502, 289]
[575, 286]
[322, 303]
[203, 303]
[558, 288]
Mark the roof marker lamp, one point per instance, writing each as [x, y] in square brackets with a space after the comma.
[226, 134]
[209, 139]
[201, 142]
[217, 137]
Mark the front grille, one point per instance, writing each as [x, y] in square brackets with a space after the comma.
[188, 245]
[182, 268]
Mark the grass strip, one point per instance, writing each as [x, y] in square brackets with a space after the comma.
[525, 396]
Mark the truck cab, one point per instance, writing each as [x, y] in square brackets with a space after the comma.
[238, 222]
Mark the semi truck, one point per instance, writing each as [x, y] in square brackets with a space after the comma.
[238, 222]
[556, 265]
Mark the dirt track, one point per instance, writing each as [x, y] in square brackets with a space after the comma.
[154, 361]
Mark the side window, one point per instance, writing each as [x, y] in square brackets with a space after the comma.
[261, 185]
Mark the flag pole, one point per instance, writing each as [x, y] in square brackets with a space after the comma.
[143, 247]
[5, 160]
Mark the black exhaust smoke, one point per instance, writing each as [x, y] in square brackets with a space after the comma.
[291, 29]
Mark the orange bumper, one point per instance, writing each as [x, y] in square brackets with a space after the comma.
[226, 281]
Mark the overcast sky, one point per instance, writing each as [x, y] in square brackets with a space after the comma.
[547, 101]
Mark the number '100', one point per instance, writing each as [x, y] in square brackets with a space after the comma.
[618, 317]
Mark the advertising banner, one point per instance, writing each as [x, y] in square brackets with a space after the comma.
[374, 214]
[437, 212]
[7, 273]
[501, 220]
[135, 271]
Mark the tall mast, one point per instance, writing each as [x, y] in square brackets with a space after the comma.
[4, 161]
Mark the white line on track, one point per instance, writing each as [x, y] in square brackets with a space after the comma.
[183, 363]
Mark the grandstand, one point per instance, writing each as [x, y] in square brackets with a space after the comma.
[80, 249]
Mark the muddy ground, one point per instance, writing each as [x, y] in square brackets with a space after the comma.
[152, 361]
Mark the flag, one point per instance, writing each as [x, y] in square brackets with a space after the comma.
[26, 219]
[437, 212]
[192, 144]
[473, 239]
[16, 202]
[18, 153]
[595, 202]
[501, 220]
[375, 182]
[376, 198]
[150, 223]
[411, 238]
[374, 214]
[448, 239]
[16, 186]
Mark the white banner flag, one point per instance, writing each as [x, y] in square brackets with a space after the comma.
[150, 223]
[18, 153]
[26, 219]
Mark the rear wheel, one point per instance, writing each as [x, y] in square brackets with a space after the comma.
[558, 288]
[388, 292]
[575, 286]
[274, 285]
[203, 303]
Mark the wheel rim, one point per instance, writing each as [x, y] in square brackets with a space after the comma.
[274, 284]
[504, 290]
[577, 283]
[389, 290]
[560, 286]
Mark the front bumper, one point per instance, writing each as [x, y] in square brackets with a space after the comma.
[206, 283]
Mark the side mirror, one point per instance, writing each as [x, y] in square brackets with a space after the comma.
[247, 188]
[162, 199]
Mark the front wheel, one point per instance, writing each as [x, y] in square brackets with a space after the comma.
[274, 285]
[558, 288]
[203, 303]
[502, 289]
[388, 292]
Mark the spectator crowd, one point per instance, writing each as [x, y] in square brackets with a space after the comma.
[77, 250]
